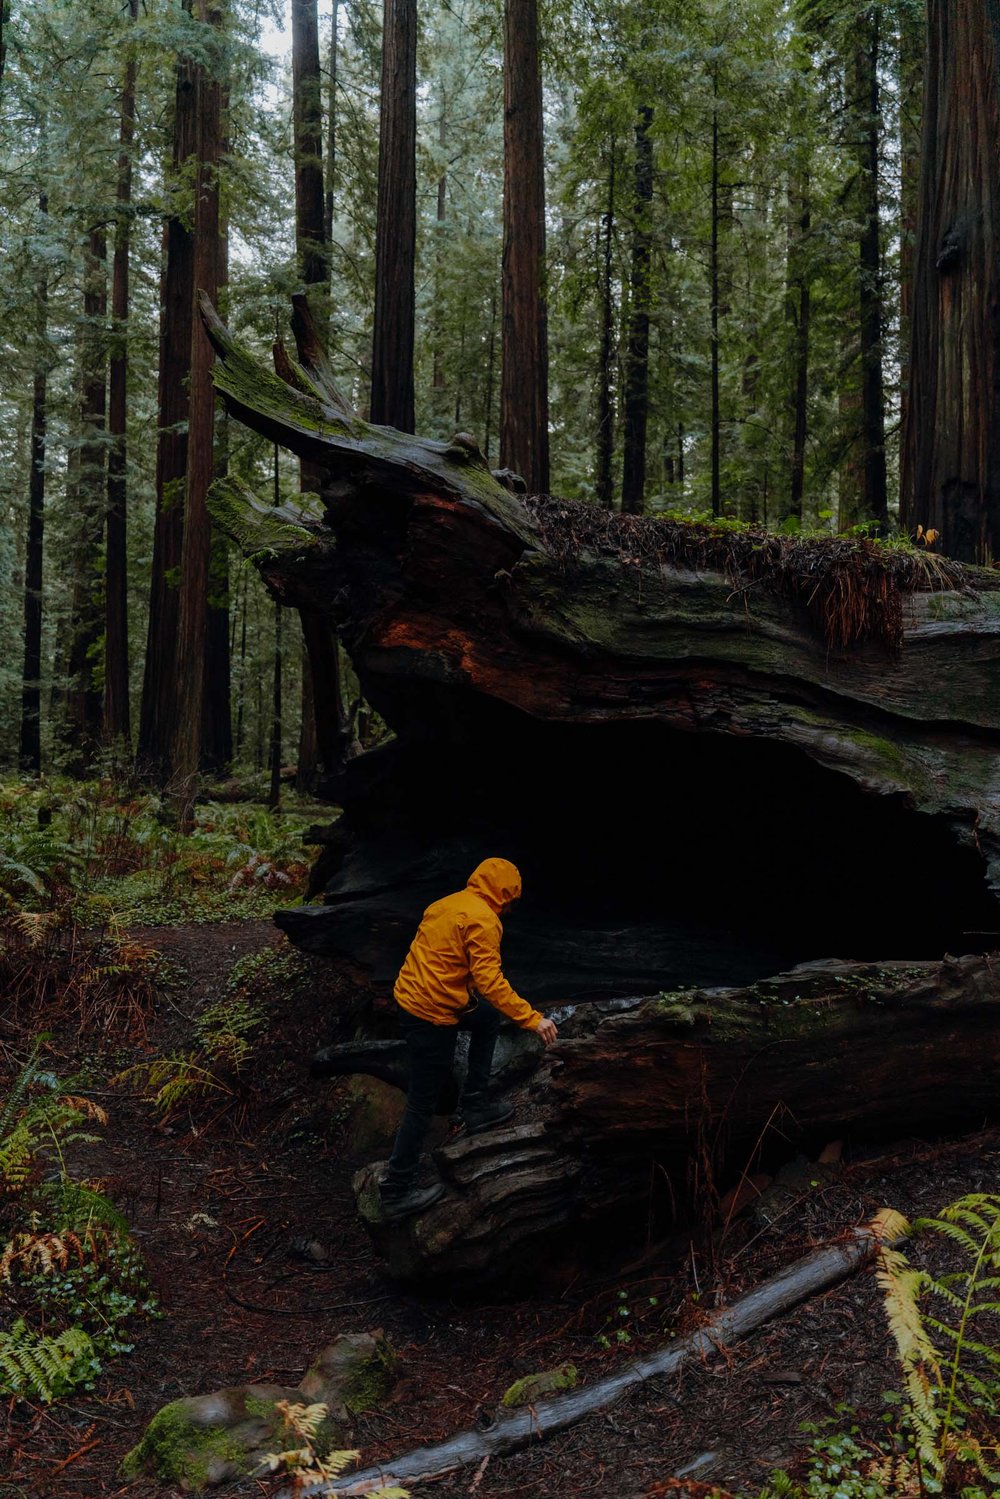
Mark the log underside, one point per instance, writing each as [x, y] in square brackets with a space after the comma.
[710, 765]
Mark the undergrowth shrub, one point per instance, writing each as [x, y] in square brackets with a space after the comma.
[110, 844]
[71, 1278]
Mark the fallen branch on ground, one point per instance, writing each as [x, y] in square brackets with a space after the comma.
[815, 1272]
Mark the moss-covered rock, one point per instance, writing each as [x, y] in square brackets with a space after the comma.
[536, 1386]
[353, 1374]
[201, 1441]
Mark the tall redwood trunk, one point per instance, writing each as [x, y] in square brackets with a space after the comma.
[952, 446]
[196, 549]
[798, 307]
[30, 748]
[331, 136]
[524, 382]
[217, 716]
[84, 698]
[870, 273]
[396, 224]
[159, 687]
[716, 417]
[117, 725]
[637, 362]
[321, 722]
[911, 65]
[603, 486]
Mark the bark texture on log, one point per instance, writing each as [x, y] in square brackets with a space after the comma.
[826, 1049]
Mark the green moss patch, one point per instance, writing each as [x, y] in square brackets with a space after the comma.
[536, 1386]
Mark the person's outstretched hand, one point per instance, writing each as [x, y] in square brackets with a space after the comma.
[546, 1031]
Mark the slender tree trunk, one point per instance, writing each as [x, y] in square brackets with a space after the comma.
[870, 269]
[321, 723]
[604, 485]
[217, 716]
[274, 789]
[437, 376]
[911, 61]
[195, 555]
[159, 688]
[117, 724]
[491, 357]
[524, 393]
[4, 22]
[31, 691]
[331, 137]
[637, 362]
[396, 224]
[716, 419]
[241, 701]
[84, 699]
[799, 315]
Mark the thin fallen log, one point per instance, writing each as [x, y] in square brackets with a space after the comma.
[815, 1272]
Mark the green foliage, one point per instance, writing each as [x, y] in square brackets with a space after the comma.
[41, 1367]
[68, 1268]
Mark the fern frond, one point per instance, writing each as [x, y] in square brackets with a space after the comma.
[41, 1367]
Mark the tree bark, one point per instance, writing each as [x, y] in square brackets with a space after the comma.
[196, 549]
[952, 445]
[117, 721]
[30, 749]
[524, 392]
[158, 713]
[910, 72]
[331, 137]
[716, 417]
[84, 699]
[637, 359]
[870, 275]
[645, 1087]
[799, 316]
[396, 222]
[603, 484]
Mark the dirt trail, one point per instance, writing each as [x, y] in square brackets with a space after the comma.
[219, 1206]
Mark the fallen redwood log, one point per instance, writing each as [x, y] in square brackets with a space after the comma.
[713, 754]
[819, 1271]
[825, 1050]
[668, 725]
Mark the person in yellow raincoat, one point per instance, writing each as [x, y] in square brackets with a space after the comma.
[451, 980]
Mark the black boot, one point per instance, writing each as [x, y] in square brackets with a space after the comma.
[478, 1113]
[403, 1202]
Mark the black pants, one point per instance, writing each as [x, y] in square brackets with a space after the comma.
[431, 1051]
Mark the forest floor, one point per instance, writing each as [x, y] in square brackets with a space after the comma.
[221, 1202]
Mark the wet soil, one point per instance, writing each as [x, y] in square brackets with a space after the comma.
[244, 1212]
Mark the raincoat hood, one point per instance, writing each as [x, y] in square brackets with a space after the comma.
[497, 881]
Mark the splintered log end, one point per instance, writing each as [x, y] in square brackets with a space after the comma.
[316, 423]
[265, 532]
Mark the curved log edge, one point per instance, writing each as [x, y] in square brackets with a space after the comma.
[819, 1271]
[826, 1050]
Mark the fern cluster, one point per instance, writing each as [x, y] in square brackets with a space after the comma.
[69, 1271]
[302, 1459]
[947, 1334]
[43, 1368]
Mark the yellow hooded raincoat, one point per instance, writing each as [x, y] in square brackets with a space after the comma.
[457, 950]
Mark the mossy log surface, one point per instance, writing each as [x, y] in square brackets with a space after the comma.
[827, 1050]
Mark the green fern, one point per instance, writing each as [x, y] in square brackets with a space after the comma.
[43, 1368]
[950, 1358]
[170, 1081]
